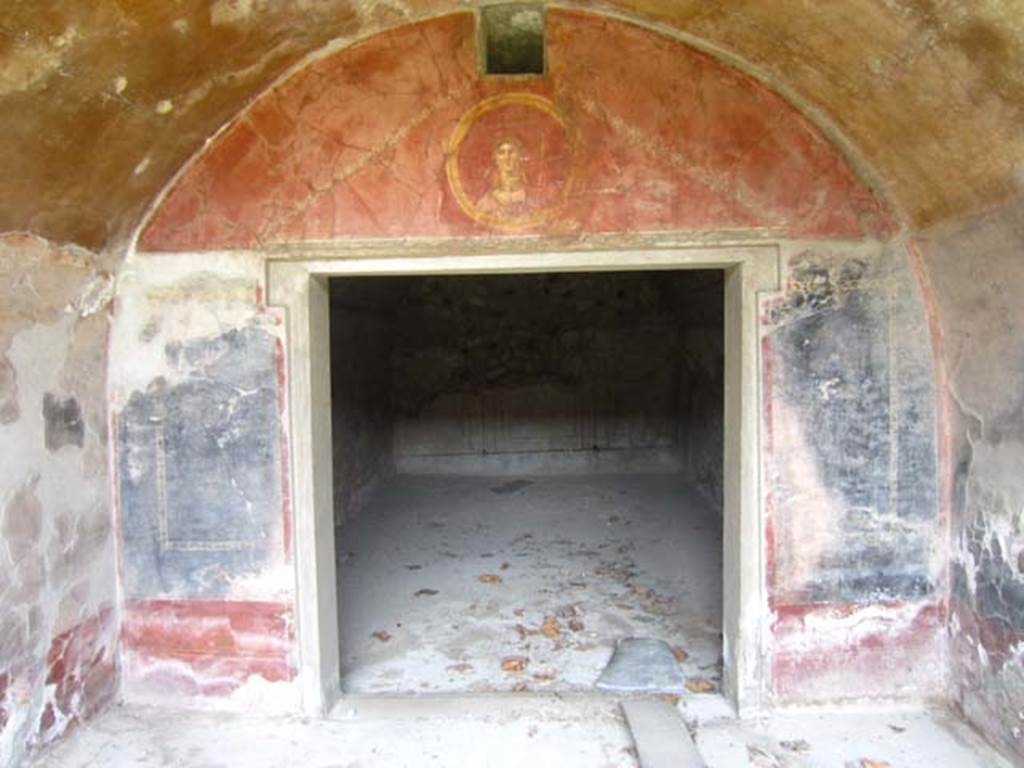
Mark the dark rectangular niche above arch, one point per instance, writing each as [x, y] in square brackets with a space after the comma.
[513, 38]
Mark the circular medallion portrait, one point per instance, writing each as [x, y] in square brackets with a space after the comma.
[510, 161]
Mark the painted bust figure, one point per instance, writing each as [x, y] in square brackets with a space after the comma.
[507, 195]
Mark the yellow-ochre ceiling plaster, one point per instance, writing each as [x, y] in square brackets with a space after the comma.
[102, 101]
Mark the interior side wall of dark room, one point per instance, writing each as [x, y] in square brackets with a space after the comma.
[697, 302]
[362, 334]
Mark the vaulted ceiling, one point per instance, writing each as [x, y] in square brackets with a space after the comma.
[102, 101]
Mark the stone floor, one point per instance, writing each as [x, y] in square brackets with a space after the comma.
[588, 559]
[510, 731]
[442, 578]
[846, 738]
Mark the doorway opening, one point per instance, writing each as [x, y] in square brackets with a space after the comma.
[298, 284]
[527, 468]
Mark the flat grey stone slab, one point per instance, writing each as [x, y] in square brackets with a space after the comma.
[660, 736]
[642, 665]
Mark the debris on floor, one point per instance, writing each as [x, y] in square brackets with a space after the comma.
[657, 577]
[797, 745]
[642, 665]
[514, 663]
[550, 627]
[523, 632]
[700, 685]
[382, 635]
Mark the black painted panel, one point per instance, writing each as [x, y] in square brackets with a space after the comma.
[852, 359]
[200, 469]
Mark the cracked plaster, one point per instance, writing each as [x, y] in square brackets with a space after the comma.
[930, 93]
[974, 267]
[699, 147]
[57, 634]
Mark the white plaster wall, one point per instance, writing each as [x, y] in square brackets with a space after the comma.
[58, 627]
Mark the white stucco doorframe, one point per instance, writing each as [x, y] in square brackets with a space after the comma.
[299, 286]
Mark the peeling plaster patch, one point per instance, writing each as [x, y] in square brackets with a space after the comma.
[165, 681]
[255, 693]
[23, 520]
[985, 574]
[276, 582]
[991, 692]
[120, 83]
[81, 675]
[31, 64]
[164, 107]
[226, 13]
[84, 364]
[9, 408]
[141, 167]
[149, 331]
[186, 298]
[843, 653]
[57, 632]
[95, 295]
[40, 283]
[231, 11]
[63, 420]
[856, 627]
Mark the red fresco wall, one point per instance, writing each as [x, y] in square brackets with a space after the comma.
[400, 135]
[80, 667]
[189, 648]
[628, 131]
